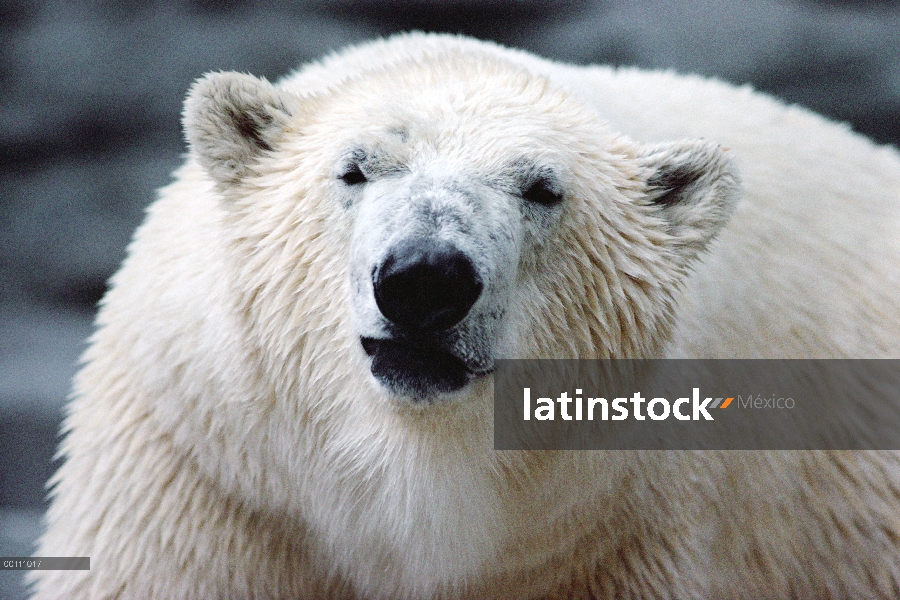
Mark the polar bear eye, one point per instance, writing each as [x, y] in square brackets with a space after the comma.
[542, 192]
[353, 176]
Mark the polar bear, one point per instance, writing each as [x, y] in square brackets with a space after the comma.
[288, 394]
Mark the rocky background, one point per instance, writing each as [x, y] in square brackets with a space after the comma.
[91, 93]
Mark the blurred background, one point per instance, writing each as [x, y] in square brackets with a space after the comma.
[90, 100]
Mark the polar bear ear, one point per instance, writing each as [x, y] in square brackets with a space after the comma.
[693, 186]
[230, 120]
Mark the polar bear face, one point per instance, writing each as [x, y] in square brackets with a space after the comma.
[440, 227]
[486, 213]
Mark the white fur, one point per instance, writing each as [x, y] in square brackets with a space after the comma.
[226, 438]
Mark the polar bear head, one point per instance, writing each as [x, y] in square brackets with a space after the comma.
[440, 213]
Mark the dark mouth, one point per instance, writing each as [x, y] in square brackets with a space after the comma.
[412, 370]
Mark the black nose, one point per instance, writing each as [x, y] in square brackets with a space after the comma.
[426, 284]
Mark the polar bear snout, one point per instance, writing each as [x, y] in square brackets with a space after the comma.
[425, 289]
[426, 285]
[431, 257]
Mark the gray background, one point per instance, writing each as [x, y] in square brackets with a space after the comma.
[91, 91]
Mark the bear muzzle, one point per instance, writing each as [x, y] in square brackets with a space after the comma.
[424, 288]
